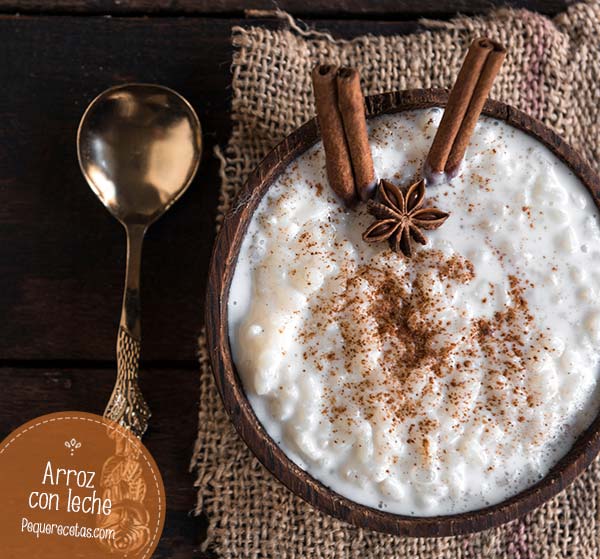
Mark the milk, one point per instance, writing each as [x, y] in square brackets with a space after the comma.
[438, 384]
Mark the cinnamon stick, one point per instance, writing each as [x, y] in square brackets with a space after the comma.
[337, 155]
[465, 103]
[482, 90]
[352, 107]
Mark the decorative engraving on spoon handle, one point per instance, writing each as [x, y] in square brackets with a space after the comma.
[127, 405]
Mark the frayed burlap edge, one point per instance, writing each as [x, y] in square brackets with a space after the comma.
[551, 73]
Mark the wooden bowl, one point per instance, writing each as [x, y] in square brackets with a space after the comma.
[230, 386]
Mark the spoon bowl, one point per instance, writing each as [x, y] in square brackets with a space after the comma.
[139, 147]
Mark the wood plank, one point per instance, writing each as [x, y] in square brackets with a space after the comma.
[62, 257]
[389, 9]
[172, 395]
[62, 254]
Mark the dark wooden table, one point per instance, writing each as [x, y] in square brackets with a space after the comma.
[62, 254]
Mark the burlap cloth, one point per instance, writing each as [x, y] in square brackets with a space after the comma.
[553, 73]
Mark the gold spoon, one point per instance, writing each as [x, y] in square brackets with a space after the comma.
[139, 146]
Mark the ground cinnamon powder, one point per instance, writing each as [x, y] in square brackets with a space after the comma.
[401, 314]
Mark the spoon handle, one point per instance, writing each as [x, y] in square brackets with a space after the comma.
[127, 405]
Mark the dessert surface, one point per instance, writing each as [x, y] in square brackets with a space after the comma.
[437, 384]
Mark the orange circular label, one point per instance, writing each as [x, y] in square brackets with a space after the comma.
[74, 484]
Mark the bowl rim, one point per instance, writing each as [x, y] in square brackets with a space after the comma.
[229, 384]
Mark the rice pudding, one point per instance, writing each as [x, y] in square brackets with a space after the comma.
[438, 384]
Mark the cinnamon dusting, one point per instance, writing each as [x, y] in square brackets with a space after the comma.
[424, 357]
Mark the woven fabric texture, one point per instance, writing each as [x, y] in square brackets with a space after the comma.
[552, 72]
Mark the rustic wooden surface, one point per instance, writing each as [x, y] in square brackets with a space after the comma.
[321, 8]
[61, 253]
[227, 247]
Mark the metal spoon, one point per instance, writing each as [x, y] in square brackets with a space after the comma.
[139, 146]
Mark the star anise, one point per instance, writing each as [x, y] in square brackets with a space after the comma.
[401, 217]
